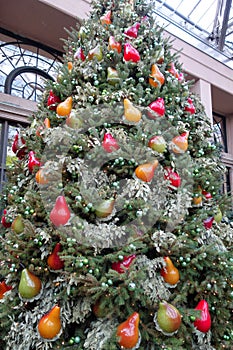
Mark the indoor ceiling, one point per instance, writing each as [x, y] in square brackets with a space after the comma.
[203, 23]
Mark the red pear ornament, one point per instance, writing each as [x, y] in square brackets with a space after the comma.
[79, 54]
[54, 261]
[158, 107]
[190, 106]
[4, 221]
[145, 172]
[30, 285]
[4, 288]
[170, 273]
[128, 332]
[122, 266]
[52, 101]
[130, 53]
[18, 146]
[208, 222]
[167, 319]
[203, 324]
[50, 326]
[172, 70]
[173, 177]
[131, 113]
[106, 18]
[60, 214]
[33, 161]
[109, 143]
[132, 32]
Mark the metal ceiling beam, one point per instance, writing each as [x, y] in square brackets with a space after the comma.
[224, 25]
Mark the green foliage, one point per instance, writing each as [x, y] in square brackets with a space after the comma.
[149, 219]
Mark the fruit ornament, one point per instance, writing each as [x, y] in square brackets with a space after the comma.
[112, 76]
[60, 214]
[208, 222]
[41, 177]
[218, 215]
[95, 53]
[70, 66]
[73, 120]
[172, 70]
[52, 101]
[157, 143]
[131, 113]
[46, 125]
[122, 266]
[79, 54]
[49, 326]
[30, 285]
[18, 146]
[99, 309]
[145, 172]
[173, 177]
[4, 288]
[130, 53]
[179, 143]
[114, 45]
[156, 78]
[109, 143]
[197, 196]
[33, 162]
[132, 32]
[106, 18]
[5, 223]
[54, 261]
[158, 107]
[104, 208]
[167, 319]
[207, 195]
[190, 106]
[170, 273]
[64, 108]
[128, 332]
[203, 324]
[18, 224]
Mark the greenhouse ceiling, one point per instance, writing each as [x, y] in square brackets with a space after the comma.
[206, 24]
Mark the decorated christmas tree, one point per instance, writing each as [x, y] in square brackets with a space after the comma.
[114, 231]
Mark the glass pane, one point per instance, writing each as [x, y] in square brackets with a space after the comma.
[11, 135]
[220, 131]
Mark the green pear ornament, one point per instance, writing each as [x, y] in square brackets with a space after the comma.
[168, 318]
[29, 286]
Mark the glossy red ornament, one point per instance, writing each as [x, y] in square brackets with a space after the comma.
[109, 143]
[158, 107]
[79, 54]
[52, 101]
[54, 261]
[18, 146]
[208, 222]
[128, 331]
[106, 18]
[122, 266]
[207, 195]
[4, 288]
[190, 106]
[203, 324]
[114, 45]
[33, 162]
[50, 325]
[132, 32]
[4, 221]
[60, 214]
[173, 177]
[130, 53]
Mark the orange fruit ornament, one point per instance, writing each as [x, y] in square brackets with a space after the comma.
[64, 108]
[41, 177]
[170, 273]
[179, 143]
[49, 325]
[156, 78]
[145, 172]
[128, 331]
[131, 113]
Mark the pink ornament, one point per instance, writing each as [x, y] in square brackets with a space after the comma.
[109, 143]
[158, 107]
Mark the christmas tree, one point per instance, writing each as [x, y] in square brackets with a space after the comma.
[114, 233]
